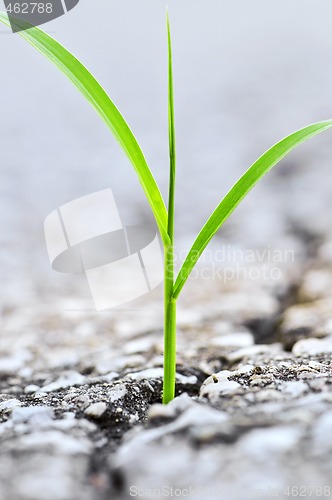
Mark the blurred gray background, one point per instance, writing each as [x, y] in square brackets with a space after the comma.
[246, 74]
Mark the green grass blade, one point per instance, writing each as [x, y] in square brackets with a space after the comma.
[239, 191]
[169, 304]
[171, 136]
[96, 95]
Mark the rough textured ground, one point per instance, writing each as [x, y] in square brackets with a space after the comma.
[80, 392]
[80, 399]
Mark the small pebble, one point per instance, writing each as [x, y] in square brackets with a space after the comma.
[69, 379]
[218, 385]
[151, 373]
[96, 410]
[313, 347]
[242, 339]
[36, 415]
[294, 388]
[117, 392]
[9, 405]
[30, 389]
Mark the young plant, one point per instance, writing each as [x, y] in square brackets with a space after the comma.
[102, 103]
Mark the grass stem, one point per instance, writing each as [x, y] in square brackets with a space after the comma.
[169, 327]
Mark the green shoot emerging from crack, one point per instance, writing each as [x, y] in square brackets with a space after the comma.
[100, 100]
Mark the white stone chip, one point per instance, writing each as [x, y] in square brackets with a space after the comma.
[117, 392]
[69, 379]
[313, 347]
[9, 405]
[96, 410]
[218, 384]
[242, 339]
[294, 388]
[30, 389]
[151, 373]
[36, 415]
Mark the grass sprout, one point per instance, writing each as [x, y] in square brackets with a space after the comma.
[100, 100]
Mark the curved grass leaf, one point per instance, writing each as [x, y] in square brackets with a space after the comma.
[96, 95]
[239, 191]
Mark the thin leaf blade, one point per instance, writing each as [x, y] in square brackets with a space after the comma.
[96, 95]
[242, 187]
[171, 137]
